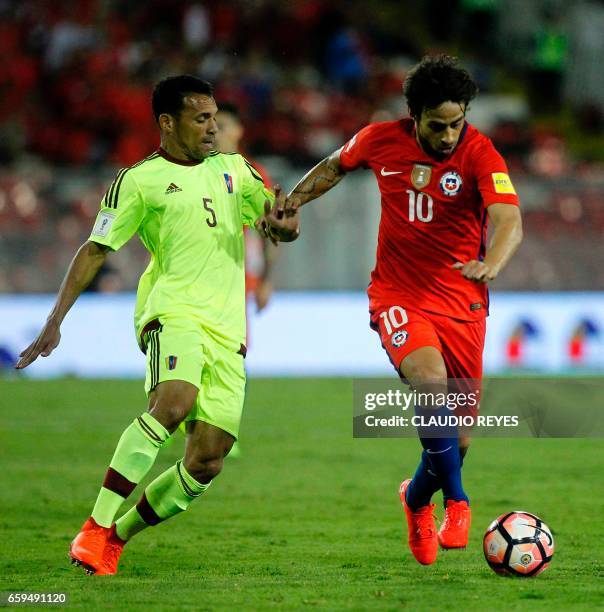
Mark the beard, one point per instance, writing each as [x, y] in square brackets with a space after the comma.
[427, 147]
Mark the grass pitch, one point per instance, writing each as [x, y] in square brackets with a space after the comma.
[307, 518]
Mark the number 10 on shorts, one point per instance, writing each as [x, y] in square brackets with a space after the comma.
[394, 318]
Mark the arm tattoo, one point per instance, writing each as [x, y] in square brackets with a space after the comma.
[320, 179]
[314, 184]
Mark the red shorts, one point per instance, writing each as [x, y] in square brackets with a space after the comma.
[402, 331]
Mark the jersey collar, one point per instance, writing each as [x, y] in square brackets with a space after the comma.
[174, 160]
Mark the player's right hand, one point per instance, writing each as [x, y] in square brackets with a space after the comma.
[46, 342]
[475, 271]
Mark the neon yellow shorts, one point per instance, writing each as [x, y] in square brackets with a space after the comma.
[179, 348]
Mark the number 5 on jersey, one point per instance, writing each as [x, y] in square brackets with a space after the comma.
[210, 221]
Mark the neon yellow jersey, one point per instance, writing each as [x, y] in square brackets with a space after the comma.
[190, 216]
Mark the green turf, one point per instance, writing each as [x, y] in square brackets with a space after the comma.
[307, 518]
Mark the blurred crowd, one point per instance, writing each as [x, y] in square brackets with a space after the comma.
[77, 75]
[76, 80]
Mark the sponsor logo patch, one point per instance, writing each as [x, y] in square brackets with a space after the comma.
[385, 172]
[171, 362]
[173, 188]
[228, 179]
[103, 224]
[476, 306]
[399, 338]
[502, 183]
[421, 175]
[450, 184]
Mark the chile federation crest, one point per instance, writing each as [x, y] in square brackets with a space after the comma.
[450, 183]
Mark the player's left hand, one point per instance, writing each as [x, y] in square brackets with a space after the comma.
[475, 271]
[281, 221]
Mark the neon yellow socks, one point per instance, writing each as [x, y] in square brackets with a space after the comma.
[134, 456]
[170, 493]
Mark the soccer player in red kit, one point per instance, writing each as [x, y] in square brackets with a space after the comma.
[440, 181]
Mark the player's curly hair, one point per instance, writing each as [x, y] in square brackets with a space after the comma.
[168, 95]
[437, 79]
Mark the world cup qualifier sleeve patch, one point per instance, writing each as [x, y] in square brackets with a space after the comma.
[103, 224]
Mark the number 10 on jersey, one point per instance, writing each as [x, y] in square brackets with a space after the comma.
[394, 318]
[421, 206]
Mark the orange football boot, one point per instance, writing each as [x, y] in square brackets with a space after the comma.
[455, 528]
[111, 555]
[422, 529]
[87, 547]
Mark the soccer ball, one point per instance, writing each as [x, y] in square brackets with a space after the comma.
[518, 544]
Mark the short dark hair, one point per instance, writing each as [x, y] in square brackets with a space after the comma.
[231, 109]
[437, 79]
[168, 94]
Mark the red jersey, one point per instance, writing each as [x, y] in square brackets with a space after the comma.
[434, 214]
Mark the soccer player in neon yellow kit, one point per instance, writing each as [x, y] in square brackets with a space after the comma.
[188, 203]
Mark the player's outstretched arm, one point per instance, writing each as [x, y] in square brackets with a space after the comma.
[506, 239]
[83, 268]
[325, 175]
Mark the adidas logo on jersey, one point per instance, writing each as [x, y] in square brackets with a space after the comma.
[173, 188]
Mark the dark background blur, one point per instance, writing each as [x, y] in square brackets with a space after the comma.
[76, 79]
